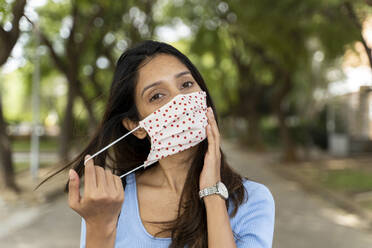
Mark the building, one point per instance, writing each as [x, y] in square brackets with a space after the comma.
[349, 122]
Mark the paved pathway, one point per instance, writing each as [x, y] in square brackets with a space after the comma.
[302, 220]
[51, 225]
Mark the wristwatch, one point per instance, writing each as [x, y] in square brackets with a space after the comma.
[219, 188]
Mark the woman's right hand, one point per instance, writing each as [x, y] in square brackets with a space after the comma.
[101, 203]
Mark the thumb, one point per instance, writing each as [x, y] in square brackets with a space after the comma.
[73, 190]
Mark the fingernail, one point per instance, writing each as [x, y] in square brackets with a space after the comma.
[71, 175]
[86, 158]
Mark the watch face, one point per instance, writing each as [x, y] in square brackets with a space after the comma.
[223, 190]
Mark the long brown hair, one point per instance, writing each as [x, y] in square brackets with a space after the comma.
[190, 226]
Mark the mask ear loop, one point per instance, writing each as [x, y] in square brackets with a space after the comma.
[132, 170]
[144, 165]
[114, 142]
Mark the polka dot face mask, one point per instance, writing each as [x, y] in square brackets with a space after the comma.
[176, 126]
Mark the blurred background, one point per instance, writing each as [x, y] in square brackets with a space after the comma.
[292, 82]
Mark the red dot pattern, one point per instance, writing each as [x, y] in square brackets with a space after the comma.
[173, 129]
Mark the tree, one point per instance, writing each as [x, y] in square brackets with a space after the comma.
[357, 20]
[89, 33]
[8, 39]
[272, 45]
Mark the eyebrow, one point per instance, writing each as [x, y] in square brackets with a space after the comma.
[180, 74]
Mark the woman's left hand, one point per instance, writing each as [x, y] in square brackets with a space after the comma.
[210, 173]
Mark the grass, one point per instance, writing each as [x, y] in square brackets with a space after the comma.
[347, 180]
[367, 204]
[22, 166]
[24, 145]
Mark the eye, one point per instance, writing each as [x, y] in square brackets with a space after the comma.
[187, 84]
[155, 97]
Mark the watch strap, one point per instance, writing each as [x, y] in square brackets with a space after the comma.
[208, 191]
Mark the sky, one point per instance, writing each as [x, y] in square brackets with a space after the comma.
[354, 78]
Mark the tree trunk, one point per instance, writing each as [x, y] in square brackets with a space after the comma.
[89, 107]
[6, 163]
[8, 39]
[250, 92]
[289, 149]
[66, 134]
[254, 133]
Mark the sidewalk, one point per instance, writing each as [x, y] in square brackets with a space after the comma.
[303, 220]
[53, 225]
[17, 211]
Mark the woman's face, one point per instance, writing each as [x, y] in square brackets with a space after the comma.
[159, 80]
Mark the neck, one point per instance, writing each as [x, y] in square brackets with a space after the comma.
[171, 172]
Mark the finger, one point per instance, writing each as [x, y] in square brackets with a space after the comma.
[211, 141]
[90, 181]
[73, 190]
[211, 120]
[101, 177]
[119, 186]
[110, 180]
[215, 131]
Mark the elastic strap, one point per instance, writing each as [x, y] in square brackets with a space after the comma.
[114, 142]
[132, 170]
[144, 166]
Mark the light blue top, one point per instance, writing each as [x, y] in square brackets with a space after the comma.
[254, 221]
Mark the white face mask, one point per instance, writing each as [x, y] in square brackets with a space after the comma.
[176, 126]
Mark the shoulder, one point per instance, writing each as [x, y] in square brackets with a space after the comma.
[258, 201]
[257, 193]
[255, 218]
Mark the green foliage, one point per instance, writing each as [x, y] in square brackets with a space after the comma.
[103, 29]
[13, 87]
[270, 44]
[5, 12]
[244, 49]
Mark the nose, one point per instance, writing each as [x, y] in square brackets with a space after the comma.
[174, 91]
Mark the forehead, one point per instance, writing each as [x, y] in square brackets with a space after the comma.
[162, 67]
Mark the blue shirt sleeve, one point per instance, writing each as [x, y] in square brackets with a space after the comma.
[82, 234]
[255, 222]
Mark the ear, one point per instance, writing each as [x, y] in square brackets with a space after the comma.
[130, 125]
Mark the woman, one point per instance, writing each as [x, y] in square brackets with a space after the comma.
[165, 204]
